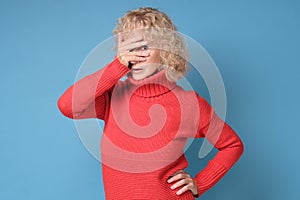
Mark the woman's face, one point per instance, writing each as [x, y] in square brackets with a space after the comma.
[150, 66]
[152, 63]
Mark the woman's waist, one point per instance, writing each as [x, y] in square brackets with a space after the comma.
[142, 162]
[143, 185]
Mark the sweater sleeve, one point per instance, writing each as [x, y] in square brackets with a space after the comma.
[223, 137]
[88, 97]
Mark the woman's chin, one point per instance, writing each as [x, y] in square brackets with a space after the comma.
[138, 78]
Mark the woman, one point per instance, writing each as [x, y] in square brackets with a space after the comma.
[148, 118]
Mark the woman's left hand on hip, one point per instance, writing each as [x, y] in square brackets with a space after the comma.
[184, 180]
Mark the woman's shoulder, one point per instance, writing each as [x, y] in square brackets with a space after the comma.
[187, 93]
[190, 95]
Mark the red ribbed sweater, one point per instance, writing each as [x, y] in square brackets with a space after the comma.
[147, 124]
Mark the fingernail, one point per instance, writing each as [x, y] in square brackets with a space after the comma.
[178, 193]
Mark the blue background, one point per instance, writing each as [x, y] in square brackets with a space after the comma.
[255, 45]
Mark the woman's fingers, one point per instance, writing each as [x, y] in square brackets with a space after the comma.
[178, 175]
[133, 56]
[133, 39]
[131, 46]
[136, 53]
[180, 183]
[128, 50]
[187, 187]
[133, 59]
[130, 43]
[183, 180]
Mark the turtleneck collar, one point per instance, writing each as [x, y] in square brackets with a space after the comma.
[152, 86]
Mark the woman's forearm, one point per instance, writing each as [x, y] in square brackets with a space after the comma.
[86, 98]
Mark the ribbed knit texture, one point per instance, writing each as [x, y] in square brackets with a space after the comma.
[147, 124]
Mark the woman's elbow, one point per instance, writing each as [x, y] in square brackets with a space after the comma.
[240, 147]
[65, 107]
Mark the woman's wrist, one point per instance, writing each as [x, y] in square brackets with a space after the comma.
[122, 61]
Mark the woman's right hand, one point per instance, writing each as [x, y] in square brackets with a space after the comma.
[128, 50]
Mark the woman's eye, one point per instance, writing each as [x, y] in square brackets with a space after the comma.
[144, 48]
[141, 48]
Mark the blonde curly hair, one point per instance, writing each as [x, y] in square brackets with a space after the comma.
[160, 31]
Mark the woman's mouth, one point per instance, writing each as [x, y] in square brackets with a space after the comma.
[136, 70]
[136, 67]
